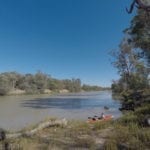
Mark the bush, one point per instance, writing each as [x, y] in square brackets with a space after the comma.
[129, 132]
[128, 118]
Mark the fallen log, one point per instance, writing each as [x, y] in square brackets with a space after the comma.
[47, 124]
[62, 122]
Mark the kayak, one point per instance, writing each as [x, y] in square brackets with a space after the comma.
[105, 118]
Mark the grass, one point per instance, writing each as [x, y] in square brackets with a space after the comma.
[81, 135]
[102, 125]
[110, 144]
[77, 134]
[129, 133]
[129, 137]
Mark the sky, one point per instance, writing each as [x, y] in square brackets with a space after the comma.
[63, 38]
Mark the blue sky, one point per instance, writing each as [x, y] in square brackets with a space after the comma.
[63, 38]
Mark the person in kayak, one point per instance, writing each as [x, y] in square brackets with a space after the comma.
[102, 116]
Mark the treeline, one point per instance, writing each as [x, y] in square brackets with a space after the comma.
[40, 83]
[86, 87]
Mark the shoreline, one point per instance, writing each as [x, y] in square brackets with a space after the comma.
[52, 93]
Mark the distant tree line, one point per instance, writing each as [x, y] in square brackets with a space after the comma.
[39, 82]
[86, 87]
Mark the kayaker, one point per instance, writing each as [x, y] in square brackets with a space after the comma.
[102, 115]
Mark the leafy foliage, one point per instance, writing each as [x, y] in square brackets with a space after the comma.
[38, 83]
[131, 67]
[130, 132]
[90, 88]
[139, 32]
[132, 61]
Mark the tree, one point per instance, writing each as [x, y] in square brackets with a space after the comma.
[86, 87]
[139, 32]
[140, 4]
[73, 85]
[54, 84]
[27, 83]
[131, 67]
[4, 84]
[76, 85]
[40, 79]
[13, 77]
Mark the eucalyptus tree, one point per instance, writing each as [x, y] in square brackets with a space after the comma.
[40, 80]
[139, 36]
[4, 84]
[133, 57]
[139, 33]
[13, 77]
[131, 67]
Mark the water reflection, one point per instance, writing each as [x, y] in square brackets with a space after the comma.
[74, 101]
[60, 103]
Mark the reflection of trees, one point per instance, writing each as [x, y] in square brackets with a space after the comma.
[73, 103]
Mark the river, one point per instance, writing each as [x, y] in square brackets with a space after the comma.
[18, 112]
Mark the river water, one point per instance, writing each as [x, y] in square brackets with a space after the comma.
[18, 112]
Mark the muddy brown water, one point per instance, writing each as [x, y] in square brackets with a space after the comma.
[18, 112]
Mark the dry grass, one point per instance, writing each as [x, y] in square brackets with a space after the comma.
[129, 133]
[77, 134]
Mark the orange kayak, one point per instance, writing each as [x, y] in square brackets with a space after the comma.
[106, 118]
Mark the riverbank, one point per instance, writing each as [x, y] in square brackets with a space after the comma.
[127, 132]
[45, 91]
[18, 92]
[77, 134]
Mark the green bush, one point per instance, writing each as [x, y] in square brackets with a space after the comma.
[128, 118]
[145, 109]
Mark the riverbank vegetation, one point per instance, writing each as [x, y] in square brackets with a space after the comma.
[130, 131]
[76, 135]
[132, 59]
[39, 83]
